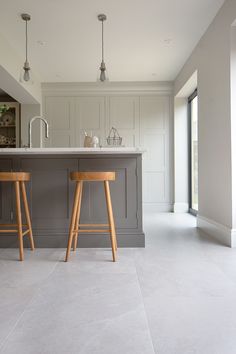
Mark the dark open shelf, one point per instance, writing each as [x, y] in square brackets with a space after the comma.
[7, 126]
[6, 145]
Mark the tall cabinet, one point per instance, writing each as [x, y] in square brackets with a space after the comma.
[143, 117]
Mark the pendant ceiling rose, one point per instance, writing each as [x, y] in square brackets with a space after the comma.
[102, 17]
[25, 17]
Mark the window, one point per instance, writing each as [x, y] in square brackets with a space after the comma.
[193, 152]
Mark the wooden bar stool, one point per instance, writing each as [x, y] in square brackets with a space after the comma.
[75, 226]
[19, 179]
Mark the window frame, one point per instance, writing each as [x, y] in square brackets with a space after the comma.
[190, 99]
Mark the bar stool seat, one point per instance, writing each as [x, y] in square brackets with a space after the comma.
[19, 179]
[75, 226]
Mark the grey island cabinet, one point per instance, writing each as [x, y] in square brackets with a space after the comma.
[50, 193]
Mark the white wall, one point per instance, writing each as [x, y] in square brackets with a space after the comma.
[142, 113]
[211, 59]
[10, 67]
[233, 120]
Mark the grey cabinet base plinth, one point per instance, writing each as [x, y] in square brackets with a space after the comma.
[84, 241]
[50, 193]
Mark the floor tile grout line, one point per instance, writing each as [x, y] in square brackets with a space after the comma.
[222, 272]
[26, 307]
[2, 345]
[140, 290]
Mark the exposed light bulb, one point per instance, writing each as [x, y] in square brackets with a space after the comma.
[26, 68]
[26, 75]
[103, 76]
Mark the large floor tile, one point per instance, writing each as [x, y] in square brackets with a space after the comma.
[176, 296]
[99, 261]
[125, 334]
[198, 325]
[184, 278]
[13, 303]
[36, 267]
[84, 313]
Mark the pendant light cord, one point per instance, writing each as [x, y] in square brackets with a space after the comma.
[26, 40]
[102, 68]
[102, 44]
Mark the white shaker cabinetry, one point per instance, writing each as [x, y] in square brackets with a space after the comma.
[142, 120]
[89, 117]
[155, 138]
[60, 114]
[123, 114]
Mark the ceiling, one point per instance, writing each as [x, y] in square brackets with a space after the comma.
[145, 40]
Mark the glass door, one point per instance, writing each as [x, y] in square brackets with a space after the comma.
[193, 153]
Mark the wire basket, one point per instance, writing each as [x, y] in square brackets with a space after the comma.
[114, 138]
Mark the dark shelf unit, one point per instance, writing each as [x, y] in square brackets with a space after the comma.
[10, 130]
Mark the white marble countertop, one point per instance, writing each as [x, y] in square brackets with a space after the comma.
[80, 150]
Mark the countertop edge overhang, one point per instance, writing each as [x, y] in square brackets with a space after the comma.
[72, 151]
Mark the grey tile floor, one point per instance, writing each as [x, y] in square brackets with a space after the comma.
[178, 295]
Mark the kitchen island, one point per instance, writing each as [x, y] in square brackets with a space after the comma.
[50, 193]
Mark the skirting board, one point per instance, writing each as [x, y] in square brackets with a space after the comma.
[220, 232]
[181, 208]
[157, 207]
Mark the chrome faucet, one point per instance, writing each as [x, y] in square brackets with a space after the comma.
[30, 128]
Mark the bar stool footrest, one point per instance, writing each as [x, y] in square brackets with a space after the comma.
[92, 231]
[81, 230]
[10, 225]
[93, 225]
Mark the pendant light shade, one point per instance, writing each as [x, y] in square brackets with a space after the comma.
[25, 73]
[103, 76]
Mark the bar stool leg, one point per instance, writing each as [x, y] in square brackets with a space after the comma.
[113, 222]
[114, 231]
[73, 218]
[27, 214]
[111, 219]
[78, 216]
[19, 220]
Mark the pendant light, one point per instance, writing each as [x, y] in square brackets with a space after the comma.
[103, 72]
[25, 75]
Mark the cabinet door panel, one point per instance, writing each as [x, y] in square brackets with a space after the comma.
[153, 187]
[61, 139]
[123, 192]
[51, 192]
[59, 111]
[154, 124]
[123, 115]
[153, 110]
[90, 117]
[6, 193]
